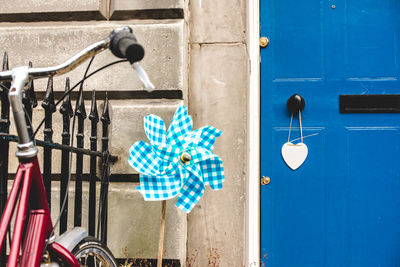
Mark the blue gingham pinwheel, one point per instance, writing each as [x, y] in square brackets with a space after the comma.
[177, 162]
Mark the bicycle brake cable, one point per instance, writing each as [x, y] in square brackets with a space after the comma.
[70, 152]
[73, 87]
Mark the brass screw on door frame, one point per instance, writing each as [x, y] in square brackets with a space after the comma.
[264, 41]
[265, 180]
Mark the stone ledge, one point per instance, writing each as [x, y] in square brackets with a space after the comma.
[51, 44]
[117, 5]
[153, 9]
[173, 13]
[19, 10]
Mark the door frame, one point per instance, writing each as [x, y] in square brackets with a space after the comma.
[253, 217]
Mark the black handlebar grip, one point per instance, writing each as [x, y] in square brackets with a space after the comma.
[123, 44]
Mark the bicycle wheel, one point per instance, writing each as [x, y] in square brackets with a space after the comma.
[91, 252]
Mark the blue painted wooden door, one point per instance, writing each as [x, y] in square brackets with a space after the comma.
[342, 206]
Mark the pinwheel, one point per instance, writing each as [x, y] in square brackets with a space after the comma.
[177, 162]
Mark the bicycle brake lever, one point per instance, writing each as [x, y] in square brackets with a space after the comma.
[144, 78]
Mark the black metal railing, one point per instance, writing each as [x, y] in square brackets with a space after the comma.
[65, 147]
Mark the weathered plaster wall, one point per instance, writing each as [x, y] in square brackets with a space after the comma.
[218, 86]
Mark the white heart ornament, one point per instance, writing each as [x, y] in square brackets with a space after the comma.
[294, 154]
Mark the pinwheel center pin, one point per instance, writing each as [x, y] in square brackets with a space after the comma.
[185, 157]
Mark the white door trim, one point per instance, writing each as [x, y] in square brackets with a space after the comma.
[253, 178]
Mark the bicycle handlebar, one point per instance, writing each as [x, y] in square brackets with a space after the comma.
[70, 64]
[123, 44]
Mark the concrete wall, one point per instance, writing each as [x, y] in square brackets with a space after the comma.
[196, 47]
[218, 86]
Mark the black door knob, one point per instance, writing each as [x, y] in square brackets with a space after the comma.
[295, 103]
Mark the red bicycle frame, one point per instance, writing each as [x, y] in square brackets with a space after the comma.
[29, 189]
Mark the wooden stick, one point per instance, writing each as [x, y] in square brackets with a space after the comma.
[162, 230]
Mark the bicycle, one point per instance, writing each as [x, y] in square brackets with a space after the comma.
[39, 244]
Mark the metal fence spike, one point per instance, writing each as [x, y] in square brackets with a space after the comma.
[66, 110]
[94, 115]
[66, 107]
[105, 117]
[94, 118]
[81, 114]
[102, 227]
[80, 109]
[5, 61]
[48, 101]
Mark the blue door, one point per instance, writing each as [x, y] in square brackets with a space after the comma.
[341, 207]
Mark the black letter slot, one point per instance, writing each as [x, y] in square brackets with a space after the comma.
[369, 103]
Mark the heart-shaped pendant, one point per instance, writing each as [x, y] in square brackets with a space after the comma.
[294, 154]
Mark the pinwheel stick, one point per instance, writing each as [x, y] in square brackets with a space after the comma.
[162, 231]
